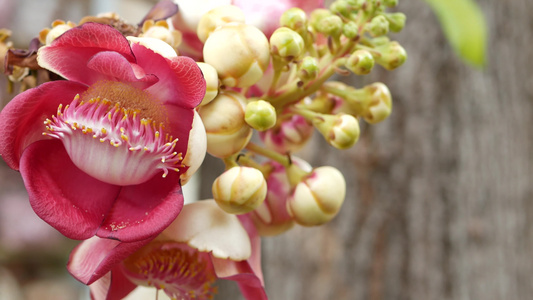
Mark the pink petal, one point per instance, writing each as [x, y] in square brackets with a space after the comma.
[112, 286]
[180, 125]
[116, 67]
[21, 121]
[180, 83]
[142, 211]
[95, 257]
[62, 195]
[69, 54]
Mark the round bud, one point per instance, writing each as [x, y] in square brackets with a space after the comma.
[318, 198]
[390, 3]
[396, 21]
[317, 15]
[261, 115]
[378, 26]
[341, 130]
[380, 105]
[360, 62]
[331, 25]
[211, 81]
[223, 118]
[341, 7]
[391, 55]
[217, 17]
[160, 30]
[240, 53]
[308, 68]
[295, 19]
[239, 190]
[286, 43]
[350, 29]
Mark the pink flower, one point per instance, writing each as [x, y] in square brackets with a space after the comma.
[262, 14]
[102, 153]
[202, 245]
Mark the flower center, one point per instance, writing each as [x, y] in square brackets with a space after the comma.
[182, 272]
[115, 133]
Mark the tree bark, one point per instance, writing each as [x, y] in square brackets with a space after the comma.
[439, 195]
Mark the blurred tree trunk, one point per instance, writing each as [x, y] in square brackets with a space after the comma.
[439, 195]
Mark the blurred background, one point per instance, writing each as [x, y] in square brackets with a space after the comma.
[439, 201]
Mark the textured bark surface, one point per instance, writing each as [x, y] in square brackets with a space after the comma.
[439, 196]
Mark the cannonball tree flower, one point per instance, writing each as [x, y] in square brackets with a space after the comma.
[202, 245]
[264, 15]
[103, 152]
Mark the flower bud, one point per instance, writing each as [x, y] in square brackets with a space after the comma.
[240, 53]
[239, 190]
[271, 217]
[261, 115]
[223, 118]
[308, 69]
[286, 44]
[396, 21]
[211, 81]
[160, 30]
[331, 25]
[391, 55]
[289, 136]
[318, 198]
[350, 29]
[360, 62]
[47, 35]
[318, 15]
[295, 19]
[390, 3]
[381, 104]
[341, 7]
[341, 130]
[217, 17]
[378, 26]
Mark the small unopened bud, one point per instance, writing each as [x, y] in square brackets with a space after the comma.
[378, 26]
[239, 190]
[350, 29]
[341, 7]
[217, 17]
[360, 62]
[295, 19]
[308, 69]
[390, 3]
[396, 21]
[318, 198]
[331, 26]
[391, 55]
[47, 35]
[211, 82]
[289, 136]
[240, 53]
[286, 44]
[380, 105]
[318, 15]
[160, 30]
[261, 115]
[223, 118]
[341, 130]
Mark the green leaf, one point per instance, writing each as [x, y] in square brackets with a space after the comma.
[464, 26]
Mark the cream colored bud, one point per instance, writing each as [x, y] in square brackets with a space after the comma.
[360, 62]
[160, 30]
[318, 198]
[217, 17]
[261, 115]
[240, 53]
[47, 35]
[240, 190]
[223, 118]
[390, 55]
[286, 43]
[211, 82]
[341, 130]
[295, 19]
[380, 105]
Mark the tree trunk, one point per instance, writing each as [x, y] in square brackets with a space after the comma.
[439, 195]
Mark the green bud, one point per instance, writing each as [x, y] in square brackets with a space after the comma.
[331, 26]
[360, 62]
[373, 102]
[381, 40]
[350, 30]
[379, 26]
[341, 130]
[295, 19]
[317, 16]
[260, 115]
[308, 68]
[390, 55]
[341, 7]
[286, 43]
[396, 21]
